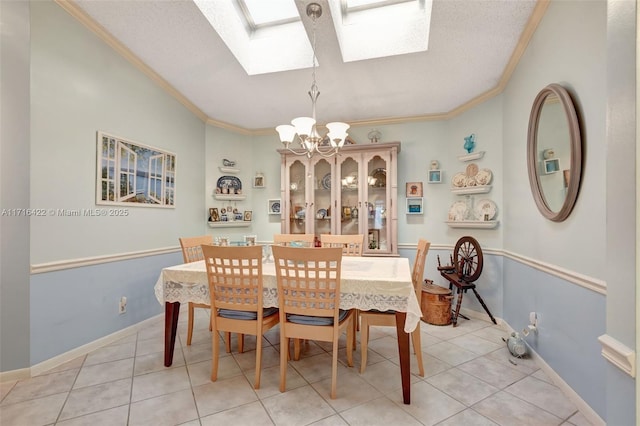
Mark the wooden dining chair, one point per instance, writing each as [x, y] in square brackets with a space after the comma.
[388, 318]
[192, 252]
[309, 302]
[235, 287]
[287, 239]
[352, 245]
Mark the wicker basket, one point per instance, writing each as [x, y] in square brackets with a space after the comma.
[436, 304]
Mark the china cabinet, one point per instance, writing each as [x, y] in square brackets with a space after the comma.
[353, 192]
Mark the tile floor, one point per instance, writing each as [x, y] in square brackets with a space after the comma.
[468, 381]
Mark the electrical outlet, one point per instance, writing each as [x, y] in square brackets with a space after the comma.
[533, 319]
[122, 307]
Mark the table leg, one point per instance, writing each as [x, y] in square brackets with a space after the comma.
[403, 350]
[171, 312]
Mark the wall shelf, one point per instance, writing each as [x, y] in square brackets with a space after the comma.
[479, 189]
[228, 169]
[229, 197]
[478, 224]
[473, 156]
[229, 224]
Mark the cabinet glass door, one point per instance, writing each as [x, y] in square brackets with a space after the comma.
[377, 236]
[349, 204]
[297, 207]
[320, 207]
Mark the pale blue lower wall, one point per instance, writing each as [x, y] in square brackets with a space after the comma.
[571, 318]
[73, 307]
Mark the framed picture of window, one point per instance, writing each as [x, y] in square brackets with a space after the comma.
[414, 189]
[414, 205]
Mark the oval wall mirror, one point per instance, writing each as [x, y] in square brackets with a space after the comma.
[554, 153]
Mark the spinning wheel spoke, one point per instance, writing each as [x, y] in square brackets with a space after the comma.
[467, 258]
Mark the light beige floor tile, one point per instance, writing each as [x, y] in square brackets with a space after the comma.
[386, 346]
[105, 372]
[96, 398]
[198, 352]
[297, 407]
[34, 412]
[334, 420]
[270, 381]
[544, 395]
[155, 333]
[579, 419]
[111, 353]
[37, 387]
[462, 386]
[245, 415]
[524, 365]
[150, 363]
[172, 409]
[467, 417]
[247, 359]
[492, 372]
[433, 365]
[117, 416]
[313, 368]
[5, 388]
[133, 337]
[428, 404]
[445, 332]
[200, 373]
[149, 346]
[385, 376]
[475, 344]
[69, 365]
[493, 334]
[427, 339]
[222, 395]
[508, 410]
[159, 383]
[450, 353]
[379, 412]
[352, 390]
[541, 375]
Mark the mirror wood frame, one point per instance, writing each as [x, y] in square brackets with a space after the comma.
[575, 141]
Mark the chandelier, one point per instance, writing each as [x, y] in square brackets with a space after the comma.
[309, 139]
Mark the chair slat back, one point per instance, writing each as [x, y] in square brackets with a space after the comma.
[418, 266]
[352, 245]
[191, 251]
[235, 277]
[287, 239]
[308, 280]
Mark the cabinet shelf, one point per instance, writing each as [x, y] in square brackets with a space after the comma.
[230, 224]
[478, 224]
[480, 189]
[473, 156]
[229, 197]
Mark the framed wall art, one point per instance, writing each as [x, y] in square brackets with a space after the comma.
[435, 176]
[248, 214]
[414, 189]
[273, 206]
[258, 180]
[129, 173]
[414, 205]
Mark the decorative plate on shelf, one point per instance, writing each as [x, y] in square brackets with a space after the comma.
[458, 180]
[472, 169]
[321, 213]
[484, 177]
[326, 181]
[231, 183]
[380, 176]
[485, 207]
[470, 181]
[458, 211]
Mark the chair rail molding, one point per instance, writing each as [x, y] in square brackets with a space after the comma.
[618, 354]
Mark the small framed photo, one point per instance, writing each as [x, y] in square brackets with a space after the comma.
[250, 239]
[551, 166]
[214, 215]
[414, 205]
[273, 206]
[414, 189]
[258, 180]
[248, 215]
[223, 241]
[435, 176]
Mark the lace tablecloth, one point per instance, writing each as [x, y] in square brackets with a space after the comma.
[382, 283]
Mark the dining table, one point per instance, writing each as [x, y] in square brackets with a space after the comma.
[366, 283]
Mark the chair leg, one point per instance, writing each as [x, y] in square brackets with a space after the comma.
[284, 352]
[258, 358]
[351, 338]
[334, 369]
[240, 343]
[227, 342]
[417, 347]
[190, 324]
[364, 342]
[296, 349]
[215, 337]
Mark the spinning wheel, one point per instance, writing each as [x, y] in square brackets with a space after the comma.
[465, 268]
[467, 258]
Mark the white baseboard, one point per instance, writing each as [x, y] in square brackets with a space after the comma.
[37, 369]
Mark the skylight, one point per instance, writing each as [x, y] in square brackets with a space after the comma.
[258, 32]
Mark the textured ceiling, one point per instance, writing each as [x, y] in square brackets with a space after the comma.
[471, 43]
